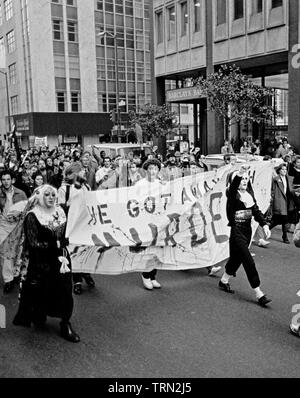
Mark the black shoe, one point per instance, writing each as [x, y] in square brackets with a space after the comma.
[89, 280]
[68, 333]
[77, 289]
[285, 240]
[8, 287]
[263, 301]
[226, 287]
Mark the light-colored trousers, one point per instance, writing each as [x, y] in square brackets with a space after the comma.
[7, 269]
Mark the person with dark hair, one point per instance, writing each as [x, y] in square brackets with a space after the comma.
[9, 195]
[281, 201]
[152, 168]
[171, 171]
[38, 180]
[46, 289]
[241, 207]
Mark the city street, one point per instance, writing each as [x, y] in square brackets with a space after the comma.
[188, 329]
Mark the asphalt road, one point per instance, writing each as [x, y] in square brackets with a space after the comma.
[189, 328]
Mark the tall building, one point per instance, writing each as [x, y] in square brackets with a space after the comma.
[195, 37]
[62, 74]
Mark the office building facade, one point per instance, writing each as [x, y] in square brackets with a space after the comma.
[195, 37]
[62, 73]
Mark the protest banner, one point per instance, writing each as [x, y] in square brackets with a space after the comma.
[178, 225]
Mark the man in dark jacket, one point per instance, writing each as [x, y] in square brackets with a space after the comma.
[282, 201]
[9, 195]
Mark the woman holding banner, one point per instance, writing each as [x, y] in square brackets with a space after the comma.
[241, 207]
[46, 289]
[152, 168]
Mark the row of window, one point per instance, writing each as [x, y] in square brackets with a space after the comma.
[10, 42]
[61, 100]
[72, 28]
[185, 12]
[69, 2]
[8, 11]
[184, 20]
[239, 9]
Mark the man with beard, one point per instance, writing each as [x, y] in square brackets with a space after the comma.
[47, 174]
[171, 171]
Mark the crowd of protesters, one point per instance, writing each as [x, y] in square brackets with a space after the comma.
[67, 168]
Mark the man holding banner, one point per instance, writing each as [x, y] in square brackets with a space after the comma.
[241, 207]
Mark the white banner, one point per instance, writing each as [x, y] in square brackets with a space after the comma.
[179, 225]
[40, 141]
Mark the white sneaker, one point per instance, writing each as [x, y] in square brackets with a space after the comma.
[263, 243]
[147, 283]
[155, 284]
[214, 271]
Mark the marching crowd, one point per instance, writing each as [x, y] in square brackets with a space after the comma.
[50, 179]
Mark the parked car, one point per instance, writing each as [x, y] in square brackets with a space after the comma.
[113, 150]
[214, 161]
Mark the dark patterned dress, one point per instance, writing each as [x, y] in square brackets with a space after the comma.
[45, 291]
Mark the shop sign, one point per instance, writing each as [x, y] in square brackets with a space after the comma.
[184, 94]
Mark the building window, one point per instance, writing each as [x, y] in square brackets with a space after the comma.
[8, 10]
[99, 5]
[184, 18]
[12, 73]
[71, 3]
[221, 12]
[171, 23]
[119, 6]
[14, 105]
[159, 27]
[1, 15]
[238, 9]
[276, 3]
[11, 43]
[111, 69]
[101, 75]
[72, 31]
[56, 1]
[75, 101]
[257, 7]
[102, 107]
[61, 101]
[57, 29]
[197, 15]
[109, 6]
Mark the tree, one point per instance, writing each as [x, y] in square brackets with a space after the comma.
[235, 98]
[154, 120]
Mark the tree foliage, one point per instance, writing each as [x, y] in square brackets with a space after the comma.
[234, 97]
[155, 121]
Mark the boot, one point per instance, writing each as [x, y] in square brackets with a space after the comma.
[68, 333]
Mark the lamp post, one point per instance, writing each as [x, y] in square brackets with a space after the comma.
[114, 37]
[7, 98]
